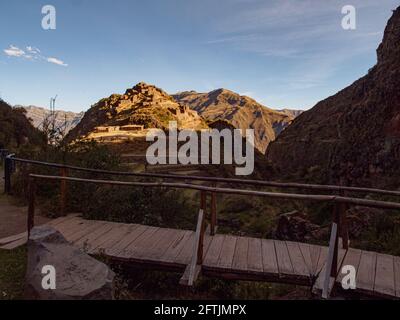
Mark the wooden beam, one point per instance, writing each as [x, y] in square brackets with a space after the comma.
[223, 180]
[330, 262]
[276, 195]
[213, 219]
[31, 205]
[63, 191]
[195, 264]
[344, 229]
[7, 175]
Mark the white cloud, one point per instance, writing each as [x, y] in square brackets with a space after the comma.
[33, 49]
[13, 51]
[57, 61]
[32, 53]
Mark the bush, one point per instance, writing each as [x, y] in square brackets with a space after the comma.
[153, 206]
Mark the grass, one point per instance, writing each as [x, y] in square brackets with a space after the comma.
[12, 273]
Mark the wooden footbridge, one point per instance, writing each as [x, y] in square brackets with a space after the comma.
[203, 251]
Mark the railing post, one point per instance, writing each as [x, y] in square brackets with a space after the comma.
[31, 205]
[63, 190]
[213, 222]
[202, 227]
[332, 259]
[336, 220]
[344, 231]
[25, 179]
[7, 175]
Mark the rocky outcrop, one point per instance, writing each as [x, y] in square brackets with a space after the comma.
[352, 137]
[15, 128]
[144, 105]
[66, 120]
[77, 275]
[241, 111]
[295, 226]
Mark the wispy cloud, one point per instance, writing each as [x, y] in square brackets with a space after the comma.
[14, 51]
[31, 53]
[57, 61]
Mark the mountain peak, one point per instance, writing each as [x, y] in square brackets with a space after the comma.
[143, 105]
[221, 91]
[389, 49]
[241, 111]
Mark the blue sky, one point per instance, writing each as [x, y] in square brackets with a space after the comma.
[282, 53]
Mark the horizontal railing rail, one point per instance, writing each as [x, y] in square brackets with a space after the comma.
[275, 195]
[283, 185]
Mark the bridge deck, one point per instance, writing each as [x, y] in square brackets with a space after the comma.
[225, 256]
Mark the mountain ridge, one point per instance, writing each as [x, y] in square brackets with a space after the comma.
[143, 105]
[240, 110]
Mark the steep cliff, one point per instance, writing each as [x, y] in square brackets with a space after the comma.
[353, 136]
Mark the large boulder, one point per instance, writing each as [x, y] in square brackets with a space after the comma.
[78, 276]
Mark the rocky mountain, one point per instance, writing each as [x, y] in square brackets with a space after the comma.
[15, 128]
[352, 137]
[144, 105]
[292, 112]
[242, 111]
[66, 119]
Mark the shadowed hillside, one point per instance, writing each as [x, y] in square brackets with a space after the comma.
[15, 128]
[353, 136]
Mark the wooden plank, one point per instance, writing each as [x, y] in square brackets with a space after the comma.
[305, 251]
[315, 252]
[125, 241]
[284, 263]
[13, 238]
[323, 256]
[214, 251]
[352, 258]
[15, 244]
[91, 238]
[366, 271]
[170, 238]
[270, 263]
[176, 247]
[255, 256]
[150, 245]
[84, 230]
[296, 257]
[241, 252]
[60, 220]
[185, 256]
[397, 275]
[70, 226]
[144, 240]
[66, 223]
[116, 234]
[384, 275]
[227, 252]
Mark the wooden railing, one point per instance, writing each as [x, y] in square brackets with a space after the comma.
[211, 180]
[339, 229]
[340, 201]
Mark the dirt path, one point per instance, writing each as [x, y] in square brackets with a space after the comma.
[13, 218]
